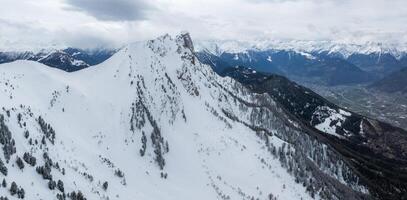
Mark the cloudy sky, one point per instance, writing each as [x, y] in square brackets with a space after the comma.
[93, 23]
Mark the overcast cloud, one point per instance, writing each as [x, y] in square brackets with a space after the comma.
[112, 10]
[93, 23]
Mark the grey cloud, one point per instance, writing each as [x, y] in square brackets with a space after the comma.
[112, 10]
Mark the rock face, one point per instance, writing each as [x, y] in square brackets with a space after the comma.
[152, 122]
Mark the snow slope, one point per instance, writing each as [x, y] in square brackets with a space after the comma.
[153, 123]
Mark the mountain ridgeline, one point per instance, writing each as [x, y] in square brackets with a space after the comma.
[69, 59]
[154, 122]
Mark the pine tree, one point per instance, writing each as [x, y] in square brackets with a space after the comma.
[143, 144]
[20, 163]
[13, 188]
[60, 186]
[119, 173]
[3, 168]
[21, 193]
[28, 158]
[51, 185]
[105, 185]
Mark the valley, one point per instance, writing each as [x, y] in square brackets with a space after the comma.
[388, 107]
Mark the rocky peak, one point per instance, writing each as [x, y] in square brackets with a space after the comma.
[187, 41]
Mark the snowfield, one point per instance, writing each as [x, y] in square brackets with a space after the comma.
[331, 119]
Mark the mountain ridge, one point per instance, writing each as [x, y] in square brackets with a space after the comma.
[69, 59]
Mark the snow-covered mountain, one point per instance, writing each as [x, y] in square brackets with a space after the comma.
[152, 122]
[69, 59]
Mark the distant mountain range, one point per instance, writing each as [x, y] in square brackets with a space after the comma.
[335, 48]
[324, 63]
[69, 59]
